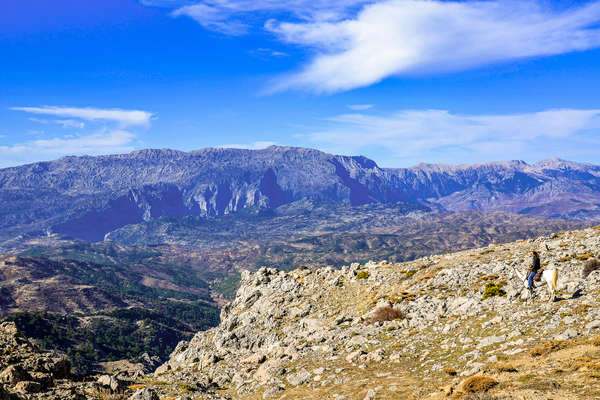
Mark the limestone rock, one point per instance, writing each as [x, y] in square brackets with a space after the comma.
[28, 387]
[299, 378]
[112, 383]
[144, 394]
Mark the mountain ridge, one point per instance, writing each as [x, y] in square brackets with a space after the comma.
[88, 197]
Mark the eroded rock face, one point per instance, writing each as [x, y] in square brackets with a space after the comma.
[88, 197]
[283, 325]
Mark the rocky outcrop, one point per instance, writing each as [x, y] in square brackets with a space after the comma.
[28, 373]
[318, 331]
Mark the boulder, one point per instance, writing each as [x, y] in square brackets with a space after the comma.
[60, 367]
[28, 387]
[255, 359]
[144, 394]
[272, 391]
[299, 378]
[14, 374]
[111, 382]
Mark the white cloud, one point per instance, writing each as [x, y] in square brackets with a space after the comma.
[70, 123]
[360, 107]
[122, 117]
[213, 19]
[357, 43]
[108, 131]
[263, 52]
[250, 146]
[104, 142]
[429, 134]
[232, 17]
[411, 37]
[66, 123]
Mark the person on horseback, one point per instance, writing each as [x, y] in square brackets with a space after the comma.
[535, 267]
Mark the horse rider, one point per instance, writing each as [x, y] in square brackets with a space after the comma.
[535, 267]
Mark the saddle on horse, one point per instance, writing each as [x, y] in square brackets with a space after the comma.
[538, 276]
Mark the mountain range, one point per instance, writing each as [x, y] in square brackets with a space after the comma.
[89, 197]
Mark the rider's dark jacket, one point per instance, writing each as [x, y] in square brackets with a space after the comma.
[535, 264]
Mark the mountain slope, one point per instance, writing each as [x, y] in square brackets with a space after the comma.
[87, 197]
[103, 312]
[448, 326]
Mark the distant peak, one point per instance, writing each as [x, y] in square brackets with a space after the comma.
[554, 163]
[450, 167]
[155, 152]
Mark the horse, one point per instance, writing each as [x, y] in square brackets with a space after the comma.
[550, 276]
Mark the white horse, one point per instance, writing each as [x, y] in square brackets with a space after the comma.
[550, 276]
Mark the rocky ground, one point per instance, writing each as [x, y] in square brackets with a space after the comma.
[29, 373]
[26, 372]
[419, 329]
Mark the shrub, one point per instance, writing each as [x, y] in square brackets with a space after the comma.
[450, 371]
[589, 266]
[478, 383]
[364, 274]
[188, 388]
[386, 313]
[493, 289]
[549, 347]
[504, 367]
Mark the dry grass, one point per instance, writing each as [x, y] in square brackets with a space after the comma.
[589, 266]
[482, 396]
[491, 277]
[580, 309]
[595, 340]
[427, 276]
[549, 347]
[386, 313]
[587, 365]
[504, 367]
[478, 383]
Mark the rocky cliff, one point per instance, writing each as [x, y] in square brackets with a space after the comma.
[448, 326]
[87, 197]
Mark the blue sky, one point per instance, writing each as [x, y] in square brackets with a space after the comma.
[399, 81]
